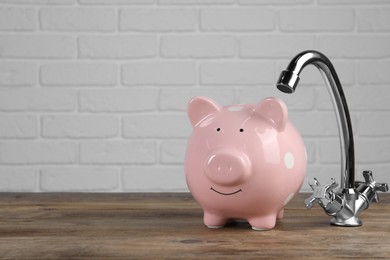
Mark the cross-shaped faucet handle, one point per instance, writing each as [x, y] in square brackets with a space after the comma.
[322, 194]
[370, 182]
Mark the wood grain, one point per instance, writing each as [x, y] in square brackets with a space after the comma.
[169, 225]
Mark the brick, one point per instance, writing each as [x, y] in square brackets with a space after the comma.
[39, 2]
[78, 19]
[158, 19]
[37, 99]
[195, 2]
[317, 19]
[237, 73]
[84, 126]
[372, 151]
[237, 19]
[302, 100]
[176, 99]
[118, 152]
[172, 152]
[118, 100]
[159, 73]
[18, 126]
[40, 152]
[64, 74]
[17, 179]
[17, 74]
[350, 2]
[362, 98]
[79, 179]
[209, 46]
[274, 46]
[374, 124]
[329, 151]
[117, 47]
[17, 19]
[373, 19]
[313, 124]
[355, 46]
[373, 72]
[115, 2]
[156, 126]
[154, 179]
[274, 2]
[37, 46]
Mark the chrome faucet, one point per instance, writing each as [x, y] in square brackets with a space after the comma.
[346, 203]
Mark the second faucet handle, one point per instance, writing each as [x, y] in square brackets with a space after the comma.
[371, 183]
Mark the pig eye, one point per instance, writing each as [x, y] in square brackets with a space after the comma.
[241, 130]
[218, 129]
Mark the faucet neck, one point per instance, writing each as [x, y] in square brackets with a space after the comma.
[287, 83]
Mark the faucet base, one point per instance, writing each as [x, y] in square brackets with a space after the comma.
[351, 222]
[347, 216]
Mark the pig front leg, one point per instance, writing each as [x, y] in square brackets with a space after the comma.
[213, 220]
[263, 223]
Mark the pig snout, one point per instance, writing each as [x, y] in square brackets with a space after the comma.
[228, 167]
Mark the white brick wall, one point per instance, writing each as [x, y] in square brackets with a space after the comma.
[93, 92]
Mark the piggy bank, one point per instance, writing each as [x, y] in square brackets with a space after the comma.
[243, 162]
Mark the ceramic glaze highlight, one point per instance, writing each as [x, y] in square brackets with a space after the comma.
[243, 161]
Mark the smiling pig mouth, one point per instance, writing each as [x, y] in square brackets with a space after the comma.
[232, 193]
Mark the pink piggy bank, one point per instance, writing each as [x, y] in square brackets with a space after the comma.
[243, 161]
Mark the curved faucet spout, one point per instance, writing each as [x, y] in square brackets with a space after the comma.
[288, 82]
[346, 204]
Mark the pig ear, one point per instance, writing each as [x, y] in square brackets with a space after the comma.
[275, 110]
[199, 108]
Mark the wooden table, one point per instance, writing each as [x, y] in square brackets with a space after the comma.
[157, 226]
